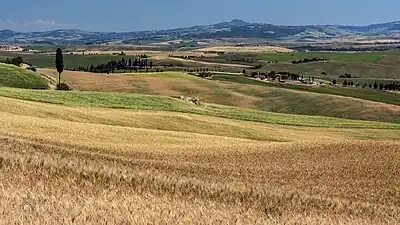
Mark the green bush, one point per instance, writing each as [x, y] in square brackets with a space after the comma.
[63, 87]
[31, 68]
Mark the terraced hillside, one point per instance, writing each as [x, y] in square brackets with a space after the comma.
[233, 93]
[87, 160]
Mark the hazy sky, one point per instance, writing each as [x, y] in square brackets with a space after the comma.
[133, 15]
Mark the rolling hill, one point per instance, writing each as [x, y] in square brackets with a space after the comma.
[233, 29]
[75, 158]
[13, 76]
[235, 92]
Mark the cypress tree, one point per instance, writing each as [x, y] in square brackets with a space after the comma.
[59, 64]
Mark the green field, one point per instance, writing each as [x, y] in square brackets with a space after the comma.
[354, 92]
[373, 57]
[366, 65]
[335, 69]
[160, 103]
[13, 76]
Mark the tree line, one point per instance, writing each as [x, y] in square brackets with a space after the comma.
[114, 65]
[307, 60]
[273, 75]
[388, 87]
[186, 56]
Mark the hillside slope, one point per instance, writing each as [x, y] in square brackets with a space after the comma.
[13, 76]
[273, 99]
[90, 164]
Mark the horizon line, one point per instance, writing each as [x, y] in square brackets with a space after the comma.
[149, 30]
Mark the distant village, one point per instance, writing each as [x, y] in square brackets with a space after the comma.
[10, 48]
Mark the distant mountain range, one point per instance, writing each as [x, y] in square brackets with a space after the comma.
[233, 29]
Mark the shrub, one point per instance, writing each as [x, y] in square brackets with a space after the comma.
[31, 68]
[63, 87]
[15, 61]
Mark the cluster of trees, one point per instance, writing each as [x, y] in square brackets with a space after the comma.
[241, 59]
[273, 75]
[186, 56]
[119, 53]
[389, 86]
[205, 74]
[307, 60]
[201, 72]
[18, 61]
[198, 70]
[113, 65]
[349, 83]
[14, 61]
[346, 75]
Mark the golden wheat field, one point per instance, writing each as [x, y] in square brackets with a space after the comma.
[80, 165]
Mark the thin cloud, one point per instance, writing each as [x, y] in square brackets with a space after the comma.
[43, 22]
[32, 24]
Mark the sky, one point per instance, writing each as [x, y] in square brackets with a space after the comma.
[134, 15]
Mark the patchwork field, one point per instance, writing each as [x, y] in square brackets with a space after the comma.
[84, 161]
[373, 65]
[250, 95]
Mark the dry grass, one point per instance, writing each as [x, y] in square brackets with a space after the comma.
[72, 165]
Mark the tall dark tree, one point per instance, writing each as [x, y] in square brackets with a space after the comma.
[59, 64]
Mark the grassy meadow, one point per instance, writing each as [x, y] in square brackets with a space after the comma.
[12, 76]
